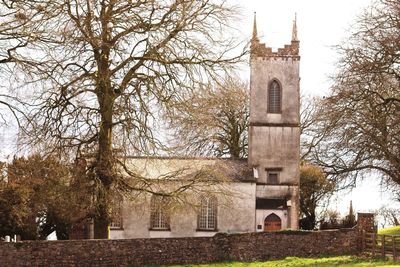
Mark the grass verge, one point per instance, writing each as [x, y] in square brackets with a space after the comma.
[390, 231]
[341, 261]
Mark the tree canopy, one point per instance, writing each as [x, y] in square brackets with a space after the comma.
[315, 189]
[40, 195]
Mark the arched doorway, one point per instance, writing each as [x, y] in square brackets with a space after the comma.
[272, 223]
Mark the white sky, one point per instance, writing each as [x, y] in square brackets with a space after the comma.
[321, 25]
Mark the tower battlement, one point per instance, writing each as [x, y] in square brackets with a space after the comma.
[258, 49]
[261, 50]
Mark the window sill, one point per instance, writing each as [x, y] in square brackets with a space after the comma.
[160, 230]
[117, 229]
[279, 184]
[206, 230]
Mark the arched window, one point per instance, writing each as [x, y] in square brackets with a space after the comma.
[274, 97]
[116, 215]
[207, 217]
[159, 218]
[272, 223]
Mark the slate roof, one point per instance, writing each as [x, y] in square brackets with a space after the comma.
[153, 167]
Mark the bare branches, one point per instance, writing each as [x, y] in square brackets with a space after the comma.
[359, 121]
[99, 74]
[182, 180]
[214, 123]
[143, 55]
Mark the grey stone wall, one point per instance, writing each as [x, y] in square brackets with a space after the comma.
[141, 252]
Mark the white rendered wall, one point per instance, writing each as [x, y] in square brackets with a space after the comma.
[236, 213]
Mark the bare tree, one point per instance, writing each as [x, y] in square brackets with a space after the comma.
[215, 122]
[101, 71]
[360, 121]
[389, 216]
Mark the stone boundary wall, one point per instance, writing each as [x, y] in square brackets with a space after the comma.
[141, 252]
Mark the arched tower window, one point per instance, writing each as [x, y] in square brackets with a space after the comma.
[274, 97]
[207, 217]
[272, 223]
[159, 218]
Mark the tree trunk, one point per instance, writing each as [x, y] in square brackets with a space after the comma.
[102, 220]
[104, 170]
[104, 167]
[104, 164]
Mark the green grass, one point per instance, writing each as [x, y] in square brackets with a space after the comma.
[342, 261]
[390, 231]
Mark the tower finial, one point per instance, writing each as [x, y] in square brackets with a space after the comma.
[351, 208]
[255, 27]
[294, 31]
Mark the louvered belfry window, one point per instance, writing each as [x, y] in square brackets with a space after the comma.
[274, 97]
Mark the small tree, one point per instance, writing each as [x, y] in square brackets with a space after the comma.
[14, 212]
[315, 188]
[389, 216]
[330, 220]
[39, 196]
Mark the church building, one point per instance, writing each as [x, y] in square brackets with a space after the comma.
[265, 186]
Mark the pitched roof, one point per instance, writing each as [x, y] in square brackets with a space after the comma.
[183, 167]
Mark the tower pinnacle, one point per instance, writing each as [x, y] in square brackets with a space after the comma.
[258, 49]
[294, 31]
[255, 28]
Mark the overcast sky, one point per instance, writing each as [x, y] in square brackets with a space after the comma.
[321, 26]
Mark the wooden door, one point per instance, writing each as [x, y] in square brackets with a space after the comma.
[272, 223]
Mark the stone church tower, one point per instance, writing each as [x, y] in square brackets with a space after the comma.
[274, 132]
